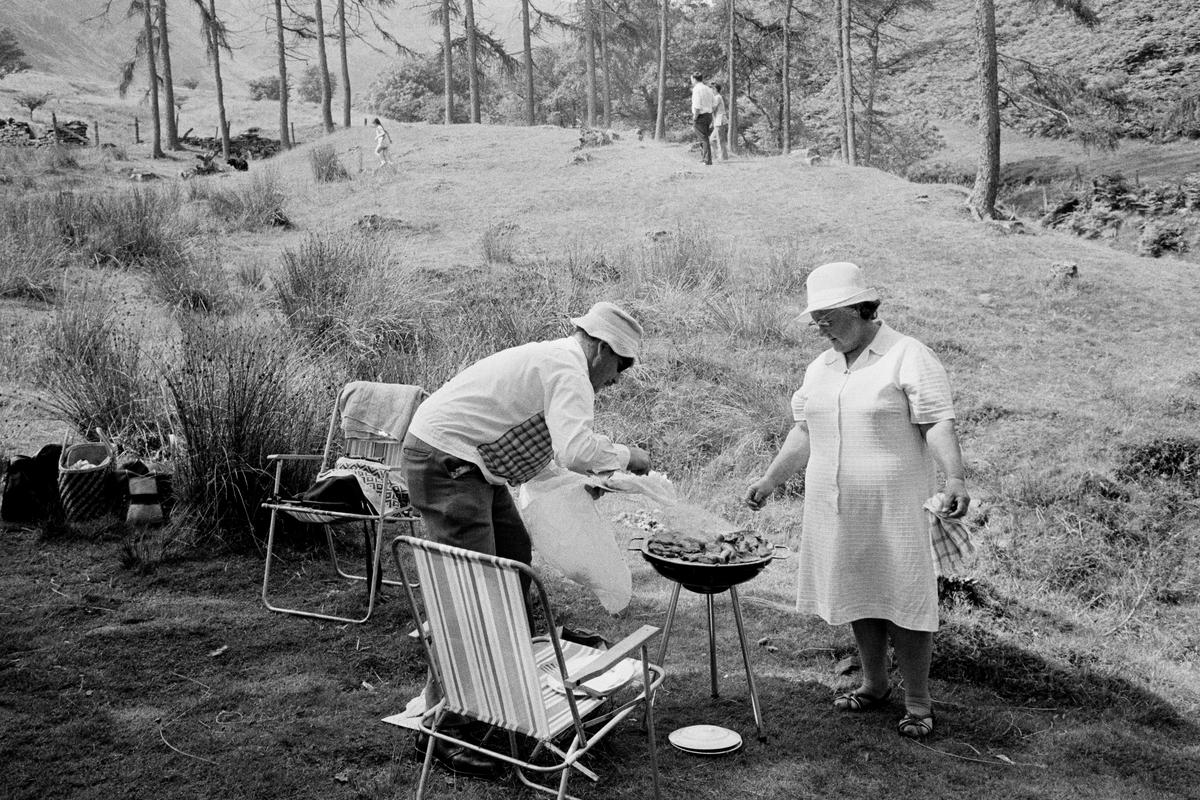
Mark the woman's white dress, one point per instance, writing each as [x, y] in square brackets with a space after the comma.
[865, 550]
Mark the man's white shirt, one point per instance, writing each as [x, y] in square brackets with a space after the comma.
[704, 99]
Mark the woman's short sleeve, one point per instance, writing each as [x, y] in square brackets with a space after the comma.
[926, 385]
[799, 399]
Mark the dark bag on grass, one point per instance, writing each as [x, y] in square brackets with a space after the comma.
[30, 492]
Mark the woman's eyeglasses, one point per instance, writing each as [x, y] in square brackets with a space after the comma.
[823, 322]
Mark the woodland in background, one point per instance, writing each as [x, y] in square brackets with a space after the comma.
[867, 80]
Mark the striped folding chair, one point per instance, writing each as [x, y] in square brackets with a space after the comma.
[490, 669]
[364, 442]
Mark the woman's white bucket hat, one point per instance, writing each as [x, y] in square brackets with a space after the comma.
[836, 285]
[613, 325]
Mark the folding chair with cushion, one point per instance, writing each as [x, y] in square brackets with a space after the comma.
[363, 446]
[491, 670]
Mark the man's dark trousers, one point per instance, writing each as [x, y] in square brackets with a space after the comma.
[703, 126]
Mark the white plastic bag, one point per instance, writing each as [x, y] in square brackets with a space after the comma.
[573, 537]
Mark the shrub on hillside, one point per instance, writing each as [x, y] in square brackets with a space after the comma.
[326, 167]
[265, 87]
[412, 91]
[309, 88]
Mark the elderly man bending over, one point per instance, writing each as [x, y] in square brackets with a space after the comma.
[501, 421]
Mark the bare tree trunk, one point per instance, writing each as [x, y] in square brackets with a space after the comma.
[284, 136]
[156, 148]
[731, 112]
[447, 66]
[872, 80]
[786, 80]
[660, 116]
[472, 60]
[164, 51]
[341, 15]
[220, 87]
[987, 174]
[530, 112]
[841, 83]
[589, 59]
[848, 78]
[605, 64]
[323, 65]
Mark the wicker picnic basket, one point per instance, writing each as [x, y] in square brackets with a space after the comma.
[86, 482]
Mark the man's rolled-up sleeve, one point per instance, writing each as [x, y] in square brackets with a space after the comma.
[570, 417]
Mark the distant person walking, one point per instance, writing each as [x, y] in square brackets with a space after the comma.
[703, 103]
[721, 122]
[383, 140]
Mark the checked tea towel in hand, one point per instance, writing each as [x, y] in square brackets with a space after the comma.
[949, 539]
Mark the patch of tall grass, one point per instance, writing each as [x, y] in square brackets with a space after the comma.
[34, 256]
[193, 281]
[498, 243]
[1108, 540]
[244, 205]
[20, 162]
[239, 390]
[124, 228]
[691, 259]
[753, 318]
[326, 167]
[353, 300]
[93, 368]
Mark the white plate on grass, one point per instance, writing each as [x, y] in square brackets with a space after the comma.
[726, 751]
[705, 739]
[621, 673]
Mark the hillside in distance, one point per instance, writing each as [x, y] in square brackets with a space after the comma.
[74, 39]
[1141, 58]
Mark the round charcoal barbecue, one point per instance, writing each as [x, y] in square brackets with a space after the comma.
[710, 580]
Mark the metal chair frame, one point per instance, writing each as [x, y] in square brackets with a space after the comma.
[584, 734]
[374, 524]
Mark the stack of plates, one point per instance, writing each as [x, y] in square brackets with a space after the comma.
[706, 740]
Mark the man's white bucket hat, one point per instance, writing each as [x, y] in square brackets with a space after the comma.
[613, 325]
[836, 285]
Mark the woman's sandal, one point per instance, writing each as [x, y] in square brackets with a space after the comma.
[858, 701]
[917, 728]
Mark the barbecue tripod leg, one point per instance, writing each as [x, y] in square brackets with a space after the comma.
[666, 634]
[737, 616]
[712, 644]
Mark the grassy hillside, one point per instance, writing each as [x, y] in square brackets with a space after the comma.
[1146, 53]
[63, 37]
[1071, 668]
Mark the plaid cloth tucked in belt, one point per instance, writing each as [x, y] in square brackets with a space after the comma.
[949, 539]
[521, 453]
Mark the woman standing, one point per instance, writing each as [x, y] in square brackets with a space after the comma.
[383, 140]
[721, 122]
[872, 417]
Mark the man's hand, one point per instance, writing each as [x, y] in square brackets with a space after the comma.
[639, 461]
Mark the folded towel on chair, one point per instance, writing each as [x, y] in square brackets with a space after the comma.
[378, 410]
